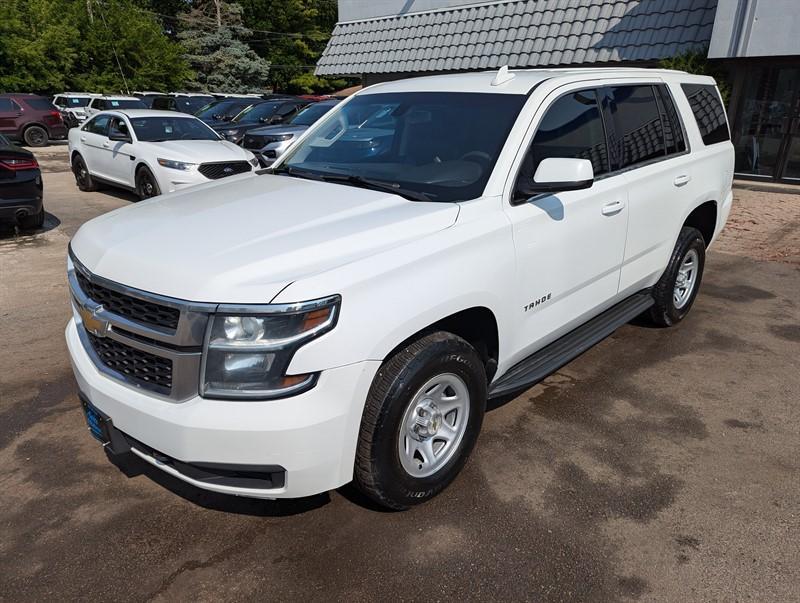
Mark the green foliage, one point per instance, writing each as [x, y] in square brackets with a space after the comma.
[308, 83]
[48, 46]
[222, 61]
[695, 62]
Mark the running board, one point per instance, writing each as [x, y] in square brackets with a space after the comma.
[552, 357]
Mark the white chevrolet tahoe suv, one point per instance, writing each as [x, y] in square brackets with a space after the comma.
[428, 245]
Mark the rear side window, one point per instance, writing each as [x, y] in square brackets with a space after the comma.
[572, 128]
[673, 130]
[708, 112]
[59, 101]
[162, 103]
[6, 104]
[636, 134]
[40, 104]
[99, 104]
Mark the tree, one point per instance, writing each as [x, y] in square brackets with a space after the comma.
[48, 46]
[292, 34]
[221, 59]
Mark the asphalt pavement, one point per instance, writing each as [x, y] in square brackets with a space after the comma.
[661, 465]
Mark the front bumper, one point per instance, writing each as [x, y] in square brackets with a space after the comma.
[312, 436]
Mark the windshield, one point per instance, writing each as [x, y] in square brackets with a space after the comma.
[256, 113]
[133, 103]
[439, 145]
[75, 101]
[159, 129]
[310, 114]
[224, 109]
[190, 104]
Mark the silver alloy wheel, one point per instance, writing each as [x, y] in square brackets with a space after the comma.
[433, 425]
[686, 280]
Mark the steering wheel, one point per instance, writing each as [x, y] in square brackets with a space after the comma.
[477, 157]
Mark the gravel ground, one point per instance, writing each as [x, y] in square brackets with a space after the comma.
[662, 465]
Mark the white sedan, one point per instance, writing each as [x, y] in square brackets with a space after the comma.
[152, 152]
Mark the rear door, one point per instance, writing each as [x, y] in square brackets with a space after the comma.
[10, 112]
[569, 245]
[648, 146]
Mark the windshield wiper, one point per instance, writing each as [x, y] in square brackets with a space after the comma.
[296, 173]
[391, 187]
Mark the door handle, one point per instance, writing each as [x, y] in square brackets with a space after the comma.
[83, 139]
[105, 145]
[681, 180]
[609, 209]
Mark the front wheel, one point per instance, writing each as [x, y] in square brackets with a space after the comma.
[677, 289]
[146, 185]
[83, 178]
[421, 420]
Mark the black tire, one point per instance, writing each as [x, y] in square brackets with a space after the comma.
[146, 184]
[379, 472]
[35, 136]
[34, 221]
[668, 310]
[83, 178]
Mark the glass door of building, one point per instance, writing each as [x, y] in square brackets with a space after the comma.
[767, 131]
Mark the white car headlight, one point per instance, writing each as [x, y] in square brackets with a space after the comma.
[247, 353]
[175, 165]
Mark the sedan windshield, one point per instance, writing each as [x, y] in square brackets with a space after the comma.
[422, 145]
[310, 114]
[160, 129]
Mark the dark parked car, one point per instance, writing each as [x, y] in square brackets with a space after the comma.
[224, 110]
[184, 103]
[30, 118]
[20, 186]
[270, 142]
[260, 114]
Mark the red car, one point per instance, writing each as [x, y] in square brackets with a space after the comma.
[31, 119]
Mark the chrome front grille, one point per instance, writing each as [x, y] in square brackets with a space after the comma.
[148, 370]
[130, 307]
[144, 340]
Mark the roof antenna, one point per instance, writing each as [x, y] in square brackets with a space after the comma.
[502, 76]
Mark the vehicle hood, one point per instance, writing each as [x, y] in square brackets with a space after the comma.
[278, 130]
[198, 151]
[244, 240]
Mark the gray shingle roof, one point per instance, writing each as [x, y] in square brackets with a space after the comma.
[519, 33]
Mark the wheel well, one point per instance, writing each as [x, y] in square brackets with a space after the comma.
[477, 326]
[704, 219]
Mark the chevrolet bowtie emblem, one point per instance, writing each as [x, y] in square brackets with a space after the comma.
[94, 325]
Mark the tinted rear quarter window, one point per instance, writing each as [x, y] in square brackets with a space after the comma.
[572, 128]
[708, 112]
[673, 129]
[6, 104]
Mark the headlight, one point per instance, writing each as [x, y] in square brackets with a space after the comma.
[278, 137]
[247, 352]
[231, 132]
[175, 165]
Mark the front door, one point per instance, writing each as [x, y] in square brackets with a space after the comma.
[767, 133]
[569, 245]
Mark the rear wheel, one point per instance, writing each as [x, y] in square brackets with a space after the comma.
[35, 136]
[83, 178]
[421, 420]
[34, 221]
[677, 289]
[146, 185]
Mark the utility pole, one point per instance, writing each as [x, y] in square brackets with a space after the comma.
[89, 10]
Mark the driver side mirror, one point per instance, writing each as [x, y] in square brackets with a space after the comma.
[118, 136]
[557, 175]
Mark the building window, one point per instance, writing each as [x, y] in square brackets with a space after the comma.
[573, 128]
[708, 112]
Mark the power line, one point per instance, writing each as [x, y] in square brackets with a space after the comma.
[113, 47]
